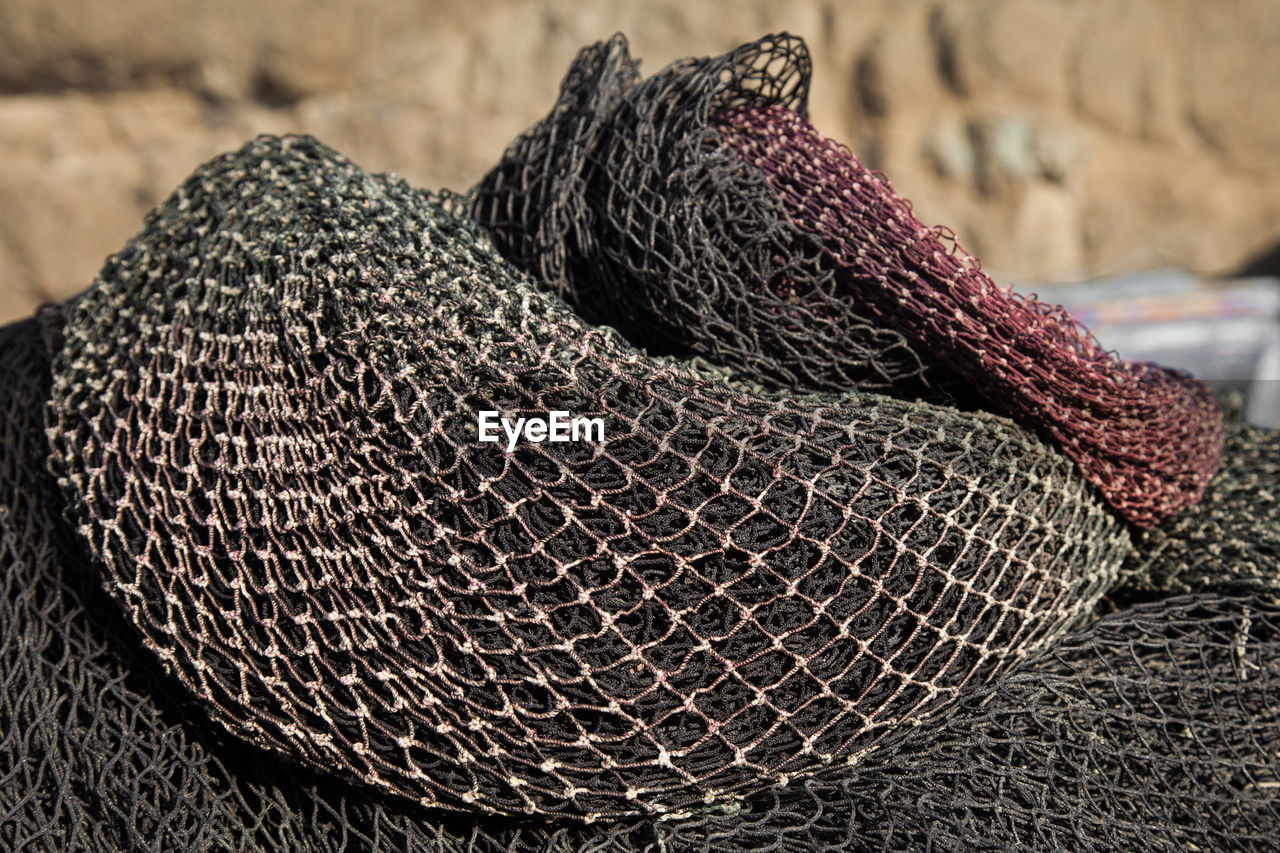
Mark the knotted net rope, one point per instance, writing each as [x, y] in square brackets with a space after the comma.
[1231, 538]
[619, 202]
[699, 211]
[264, 414]
[1148, 437]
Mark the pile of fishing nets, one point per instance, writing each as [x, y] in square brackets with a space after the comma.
[700, 207]
[265, 415]
[267, 587]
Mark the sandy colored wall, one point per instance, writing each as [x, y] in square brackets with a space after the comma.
[1060, 138]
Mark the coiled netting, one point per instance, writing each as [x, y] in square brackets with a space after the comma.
[264, 414]
[700, 212]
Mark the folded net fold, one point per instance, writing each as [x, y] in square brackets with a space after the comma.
[700, 212]
[265, 417]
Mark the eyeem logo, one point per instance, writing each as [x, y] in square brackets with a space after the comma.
[557, 426]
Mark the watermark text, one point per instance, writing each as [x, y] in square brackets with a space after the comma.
[556, 426]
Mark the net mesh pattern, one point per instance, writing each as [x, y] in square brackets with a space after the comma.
[1149, 438]
[98, 750]
[1156, 729]
[1231, 538]
[700, 211]
[620, 202]
[1153, 730]
[265, 416]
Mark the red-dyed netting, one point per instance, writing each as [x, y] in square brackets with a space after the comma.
[1149, 438]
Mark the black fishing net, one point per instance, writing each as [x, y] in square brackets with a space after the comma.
[700, 212]
[623, 202]
[1156, 729]
[264, 416]
[99, 751]
[1231, 538]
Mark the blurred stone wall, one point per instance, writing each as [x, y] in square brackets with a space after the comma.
[1060, 138]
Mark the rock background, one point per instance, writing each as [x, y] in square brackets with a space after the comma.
[1059, 138]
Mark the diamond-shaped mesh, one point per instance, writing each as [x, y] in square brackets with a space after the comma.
[621, 202]
[1156, 729]
[264, 415]
[700, 212]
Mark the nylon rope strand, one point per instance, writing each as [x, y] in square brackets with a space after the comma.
[699, 210]
[264, 414]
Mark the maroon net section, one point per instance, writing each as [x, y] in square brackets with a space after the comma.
[1149, 438]
[264, 416]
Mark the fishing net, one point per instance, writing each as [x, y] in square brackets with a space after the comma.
[99, 751]
[699, 211]
[1231, 538]
[619, 202]
[1156, 729]
[264, 415]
